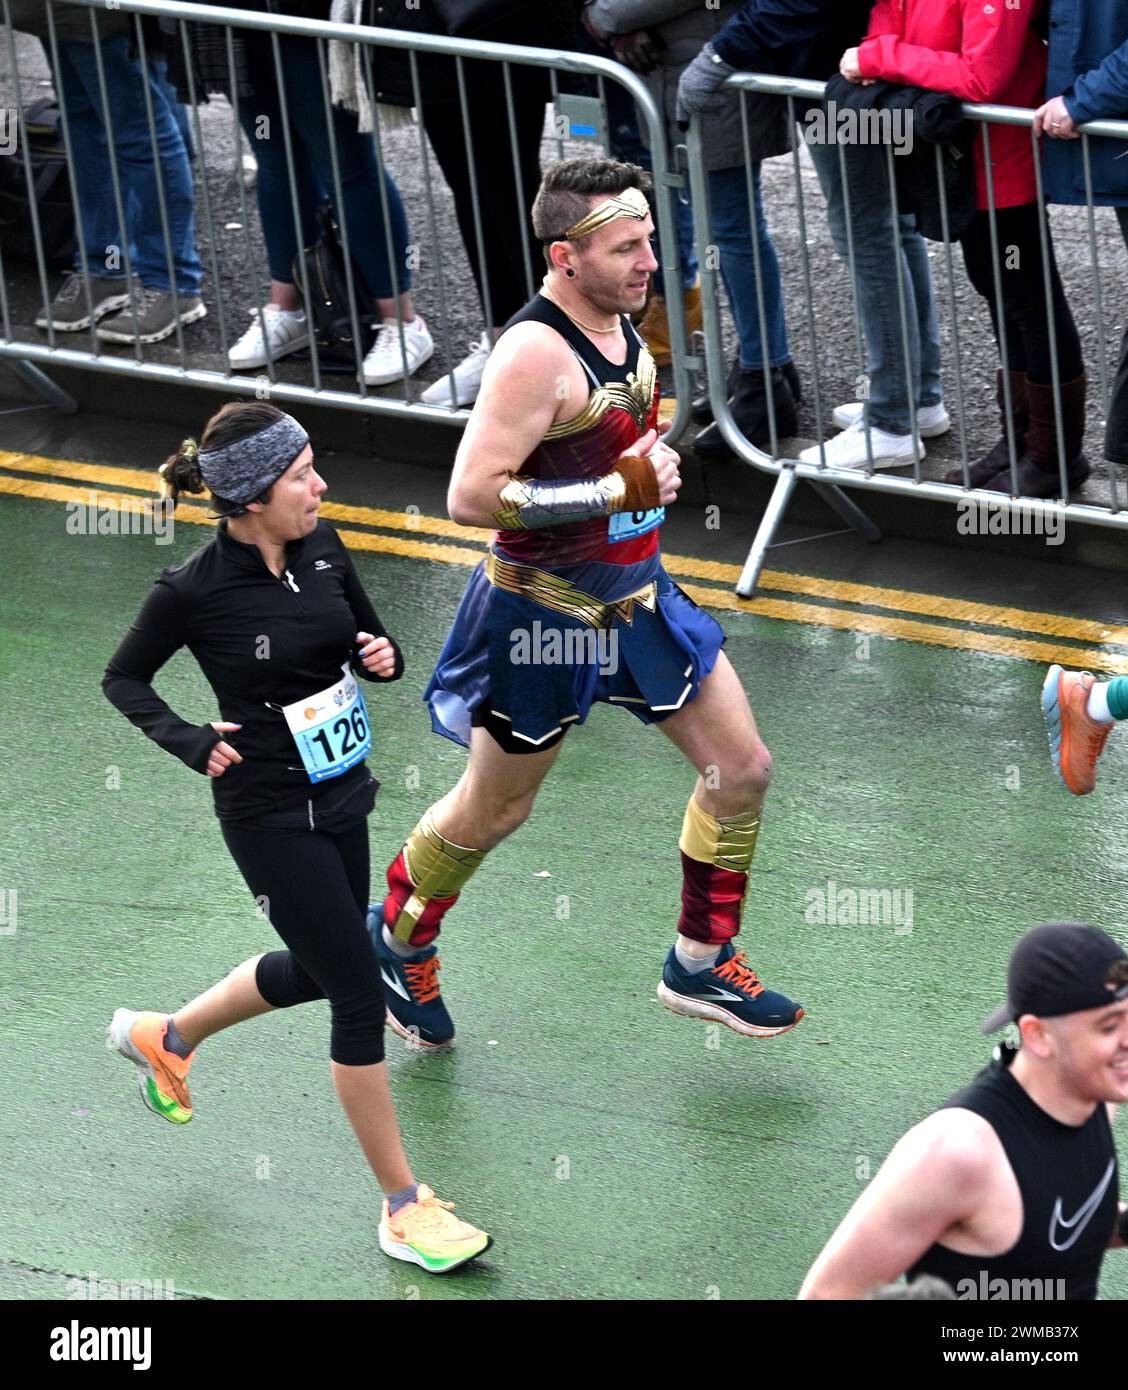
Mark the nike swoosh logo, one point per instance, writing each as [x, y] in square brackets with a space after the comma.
[393, 983]
[1084, 1214]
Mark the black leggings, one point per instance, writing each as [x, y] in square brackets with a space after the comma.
[314, 888]
[1030, 336]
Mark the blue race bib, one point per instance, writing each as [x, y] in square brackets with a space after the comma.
[330, 728]
[624, 526]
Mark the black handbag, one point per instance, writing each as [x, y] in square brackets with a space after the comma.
[48, 188]
[465, 19]
[320, 270]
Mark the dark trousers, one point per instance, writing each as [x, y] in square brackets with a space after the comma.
[313, 886]
[504, 197]
[1032, 337]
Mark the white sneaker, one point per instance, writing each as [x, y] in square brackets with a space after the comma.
[932, 420]
[467, 378]
[385, 362]
[848, 449]
[282, 331]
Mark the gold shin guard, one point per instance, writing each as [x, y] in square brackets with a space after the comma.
[726, 842]
[436, 870]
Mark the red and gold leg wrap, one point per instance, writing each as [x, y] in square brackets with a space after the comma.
[715, 853]
[424, 881]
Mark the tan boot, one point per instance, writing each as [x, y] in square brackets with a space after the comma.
[654, 326]
[654, 330]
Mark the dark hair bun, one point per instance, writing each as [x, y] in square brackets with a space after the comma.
[180, 472]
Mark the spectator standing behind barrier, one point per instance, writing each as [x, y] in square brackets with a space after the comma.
[680, 28]
[798, 38]
[503, 277]
[148, 308]
[993, 53]
[282, 327]
[1087, 80]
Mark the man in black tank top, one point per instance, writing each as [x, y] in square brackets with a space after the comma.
[1009, 1190]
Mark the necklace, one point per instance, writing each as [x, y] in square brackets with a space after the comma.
[578, 322]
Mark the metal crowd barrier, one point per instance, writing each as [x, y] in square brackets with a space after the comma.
[33, 358]
[828, 481]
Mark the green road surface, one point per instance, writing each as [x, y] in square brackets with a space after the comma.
[613, 1149]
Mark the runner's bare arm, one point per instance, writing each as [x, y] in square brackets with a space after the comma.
[514, 411]
[927, 1185]
[526, 380]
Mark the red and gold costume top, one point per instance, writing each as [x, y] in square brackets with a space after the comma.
[621, 406]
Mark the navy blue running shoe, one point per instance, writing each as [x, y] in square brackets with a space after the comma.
[729, 993]
[411, 990]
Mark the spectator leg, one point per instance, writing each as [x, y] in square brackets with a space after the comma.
[733, 233]
[76, 84]
[879, 259]
[359, 174]
[498, 199]
[260, 116]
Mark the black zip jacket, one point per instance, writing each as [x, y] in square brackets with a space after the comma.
[262, 642]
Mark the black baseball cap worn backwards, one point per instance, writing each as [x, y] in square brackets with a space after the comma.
[1060, 968]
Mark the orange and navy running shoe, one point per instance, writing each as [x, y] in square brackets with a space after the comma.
[414, 1002]
[163, 1075]
[425, 1233]
[1076, 739]
[729, 992]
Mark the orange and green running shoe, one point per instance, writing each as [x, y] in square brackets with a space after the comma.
[425, 1233]
[1076, 739]
[163, 1075]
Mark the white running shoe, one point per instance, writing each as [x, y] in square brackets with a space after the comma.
[932, 420]
[277, 329]
[848, 449]
[467, 378]
[385, 362]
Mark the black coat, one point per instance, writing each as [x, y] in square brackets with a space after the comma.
[551, 26]
[936, 122]
[795, 38]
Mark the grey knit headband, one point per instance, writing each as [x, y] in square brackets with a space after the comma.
[242, 471]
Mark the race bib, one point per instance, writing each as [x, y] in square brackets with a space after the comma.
[625, 526]
[330, 728]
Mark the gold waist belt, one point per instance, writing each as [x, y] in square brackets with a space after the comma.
[551, 591]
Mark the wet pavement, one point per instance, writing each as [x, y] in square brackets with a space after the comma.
[613, 1149]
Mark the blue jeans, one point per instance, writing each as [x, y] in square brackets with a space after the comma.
[733, 232]
[362, 213]
[102, 235]
[626, 143]
[886, 244]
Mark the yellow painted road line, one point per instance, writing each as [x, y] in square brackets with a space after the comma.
[818, 615]
[680, 566]
[932, 634]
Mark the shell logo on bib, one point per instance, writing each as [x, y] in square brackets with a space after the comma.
[309, 711]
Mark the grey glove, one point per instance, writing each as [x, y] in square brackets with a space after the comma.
[698, 88]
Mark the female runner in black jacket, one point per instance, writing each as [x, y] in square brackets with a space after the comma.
[273, 611]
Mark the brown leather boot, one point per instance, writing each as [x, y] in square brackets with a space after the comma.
[1039, 470]
[654, 326]
[981, 472]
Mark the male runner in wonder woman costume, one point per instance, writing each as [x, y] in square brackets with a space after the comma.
[562, 456]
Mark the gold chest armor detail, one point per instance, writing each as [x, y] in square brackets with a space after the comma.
[634, 395]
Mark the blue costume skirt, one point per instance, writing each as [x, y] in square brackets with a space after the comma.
[543, 670]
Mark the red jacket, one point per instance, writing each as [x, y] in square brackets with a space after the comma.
[978, 50]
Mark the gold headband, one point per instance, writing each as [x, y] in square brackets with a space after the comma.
[630, 203]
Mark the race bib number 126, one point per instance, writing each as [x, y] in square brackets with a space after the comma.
[331, 728]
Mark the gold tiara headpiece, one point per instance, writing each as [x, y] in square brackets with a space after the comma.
[630, 203]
